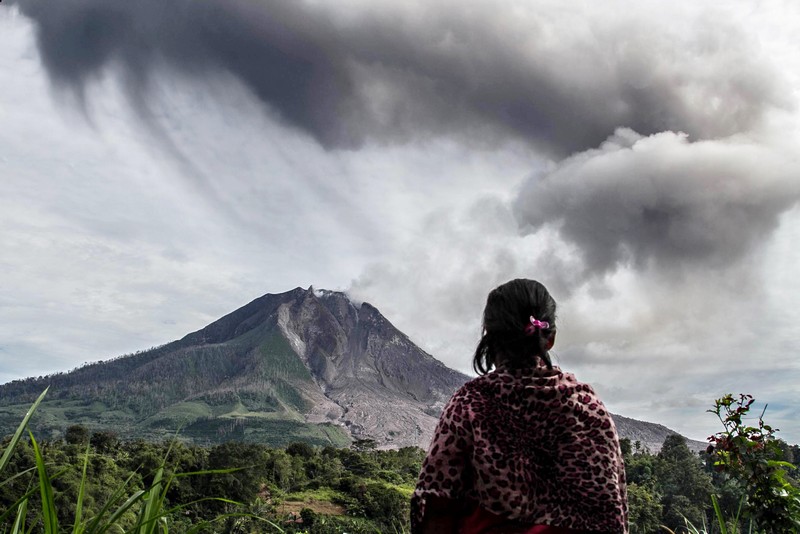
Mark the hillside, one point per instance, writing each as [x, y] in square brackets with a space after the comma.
[650, 435]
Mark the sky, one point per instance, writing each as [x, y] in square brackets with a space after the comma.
[164, 162]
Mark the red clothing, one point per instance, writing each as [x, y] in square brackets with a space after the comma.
[483, 522]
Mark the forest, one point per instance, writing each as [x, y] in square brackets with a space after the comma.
[92, 482]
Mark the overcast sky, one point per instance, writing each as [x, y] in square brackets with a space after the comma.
[164, 162]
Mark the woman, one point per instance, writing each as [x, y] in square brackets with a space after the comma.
[524, 448]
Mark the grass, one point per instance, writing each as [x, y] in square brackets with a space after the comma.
[152, 516]
[180, 413]
[406, 490]
[731, 525]
[321, 494]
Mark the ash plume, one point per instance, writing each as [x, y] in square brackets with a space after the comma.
[663, 201]
[349, 73]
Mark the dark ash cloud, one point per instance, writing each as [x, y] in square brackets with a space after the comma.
[265, 45]
[664, 202]
[390, 73]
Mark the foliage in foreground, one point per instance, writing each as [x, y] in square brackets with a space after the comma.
[741, 484]
[754, 490]
[94, 483]
[754, 458]
[36, 503]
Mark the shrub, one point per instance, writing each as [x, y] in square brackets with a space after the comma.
[753, 456]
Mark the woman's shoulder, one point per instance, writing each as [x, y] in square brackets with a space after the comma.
[539, 382]
[477, 387]
[538, 377]
[542, 383]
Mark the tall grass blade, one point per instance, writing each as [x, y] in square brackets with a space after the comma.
[76, 526]
[49, 517]
[124, 507]
[19, 522]
[149, 513]
[95, 526]
[723, 528]
[20, 429]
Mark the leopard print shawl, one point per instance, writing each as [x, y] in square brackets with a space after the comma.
[535, 446]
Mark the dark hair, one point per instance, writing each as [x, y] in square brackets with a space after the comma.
[509, 308]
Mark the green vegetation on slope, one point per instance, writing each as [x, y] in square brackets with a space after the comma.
[251, 388]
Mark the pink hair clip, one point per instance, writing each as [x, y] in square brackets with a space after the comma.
[530, 329]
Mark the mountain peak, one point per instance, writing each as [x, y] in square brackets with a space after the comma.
[330, 294]
[253, 314]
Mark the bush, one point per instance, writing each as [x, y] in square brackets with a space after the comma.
[754, 457]
[77, 435]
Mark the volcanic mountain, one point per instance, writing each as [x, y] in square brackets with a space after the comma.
[305, 365]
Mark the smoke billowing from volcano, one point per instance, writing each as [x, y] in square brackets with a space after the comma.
[664, 202]
[350, 73]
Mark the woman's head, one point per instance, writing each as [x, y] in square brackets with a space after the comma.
[509, 339]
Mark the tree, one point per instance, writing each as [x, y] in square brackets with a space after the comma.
[358, 463]
[252, 467]
[644, 510]
[77, 435]
[364, 445]
[104, 441]
[308, 516]
[625, 446]
[279, 469]
[640, 469]
[684, 485]
[299, 448]
[385, 504]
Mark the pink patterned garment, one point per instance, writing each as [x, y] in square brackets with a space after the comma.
[533, 445]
